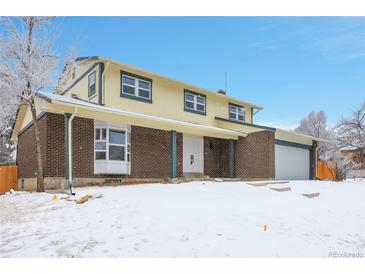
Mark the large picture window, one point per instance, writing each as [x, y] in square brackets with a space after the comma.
[111, 144]
[135, 87]
[236, 113]
[194, 102]
[117, 145]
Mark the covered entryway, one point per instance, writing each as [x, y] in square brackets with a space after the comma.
[292, 162]
[193, 154]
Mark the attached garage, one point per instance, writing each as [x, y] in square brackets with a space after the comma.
[292, 161]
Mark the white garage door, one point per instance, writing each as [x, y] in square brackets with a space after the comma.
[291, 163]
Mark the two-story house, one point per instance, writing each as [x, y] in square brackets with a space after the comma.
[115, 121]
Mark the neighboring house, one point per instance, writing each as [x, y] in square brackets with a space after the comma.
[358, 156]
[117, 121]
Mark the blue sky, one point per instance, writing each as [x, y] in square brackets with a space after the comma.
[289, 65]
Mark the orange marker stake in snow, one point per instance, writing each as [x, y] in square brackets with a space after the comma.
[265, 227]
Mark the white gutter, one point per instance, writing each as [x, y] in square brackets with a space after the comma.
[304, 136]
[148, 117]
[70, 151]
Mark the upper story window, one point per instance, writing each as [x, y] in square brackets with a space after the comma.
[194, 102]
[236, 113]
[136, 87]
[92, 84]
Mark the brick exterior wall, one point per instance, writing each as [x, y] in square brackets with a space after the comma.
[216, 157]
[150, 150]
[26, 150]
[83, 148]
[55, 165]
[150, 153]
[255, 155]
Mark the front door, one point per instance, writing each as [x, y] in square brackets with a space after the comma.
[193, 154]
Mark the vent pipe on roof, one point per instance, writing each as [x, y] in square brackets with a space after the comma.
[224, 91]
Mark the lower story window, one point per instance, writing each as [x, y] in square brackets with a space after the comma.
[111, 144]
[100, 143]
[117, 145]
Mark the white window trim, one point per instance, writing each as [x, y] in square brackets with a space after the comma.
[89, 84]
[113, 166]
[195, 102]
[137, 87]
[236, 114]
[100, 141]
[125, 145]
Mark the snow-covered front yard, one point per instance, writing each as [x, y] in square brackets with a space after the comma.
[199, 219]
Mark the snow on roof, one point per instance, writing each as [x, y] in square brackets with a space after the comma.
[51, 98]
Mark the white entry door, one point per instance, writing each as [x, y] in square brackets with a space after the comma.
[193, 154]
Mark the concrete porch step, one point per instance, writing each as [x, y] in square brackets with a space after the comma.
[194, 175]
[228, 179]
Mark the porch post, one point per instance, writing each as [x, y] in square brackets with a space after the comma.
[313, 161]
[173, 154]
[231, 153]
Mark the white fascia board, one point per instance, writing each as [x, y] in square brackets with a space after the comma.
[304, 136]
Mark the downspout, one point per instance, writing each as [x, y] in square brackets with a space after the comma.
[257, 111]
[254, 113]
[102, 77]
[70, 151]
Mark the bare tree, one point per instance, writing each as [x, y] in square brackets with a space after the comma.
[350, 132]
[28, 65]
[315, 124]
[7, 150]
[343, 164]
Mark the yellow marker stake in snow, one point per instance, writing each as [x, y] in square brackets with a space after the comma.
[265, 227]
[55, 197]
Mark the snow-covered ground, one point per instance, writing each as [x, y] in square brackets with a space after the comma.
[199, 219]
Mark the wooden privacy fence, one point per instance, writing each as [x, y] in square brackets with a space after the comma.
[8, 178]
[324, 172]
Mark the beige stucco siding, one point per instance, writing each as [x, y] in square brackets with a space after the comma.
[167, 96]
[80, 89]
[237, 127]
[26, 116]
[167, 99]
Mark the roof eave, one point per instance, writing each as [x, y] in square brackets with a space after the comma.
[305, 136]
